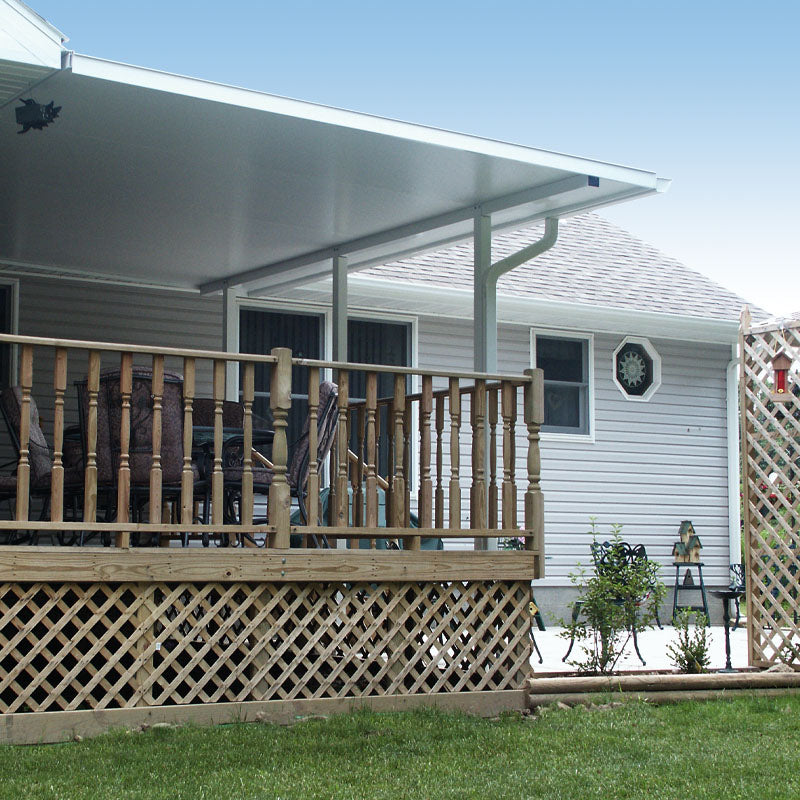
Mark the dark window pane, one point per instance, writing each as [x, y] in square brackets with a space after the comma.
[561, 359]
[5, 327]
[562, 407]
[371, 342]
[259, 332]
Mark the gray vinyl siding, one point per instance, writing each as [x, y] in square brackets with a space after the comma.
[109, 313]
[650, 465]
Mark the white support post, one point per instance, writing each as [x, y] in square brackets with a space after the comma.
[484, 298]
[339, 337]
[230, 339]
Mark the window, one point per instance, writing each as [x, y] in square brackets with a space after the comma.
[6, 326]
[566, 362]
[637, 368]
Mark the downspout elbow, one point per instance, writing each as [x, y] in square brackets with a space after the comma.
[549, 238]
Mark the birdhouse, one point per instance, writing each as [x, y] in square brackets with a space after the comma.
[781, 363]
[687, 550]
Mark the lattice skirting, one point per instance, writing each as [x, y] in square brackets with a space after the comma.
[70, 646]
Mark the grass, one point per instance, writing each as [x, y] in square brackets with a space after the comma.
[743, 748]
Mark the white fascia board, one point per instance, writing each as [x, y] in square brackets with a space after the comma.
[144, 77]
[27, 38]
[457, 303]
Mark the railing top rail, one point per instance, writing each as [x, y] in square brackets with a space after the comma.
[81, 344]
[434, 373]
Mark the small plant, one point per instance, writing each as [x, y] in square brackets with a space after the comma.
[621, 596]
[690, 650]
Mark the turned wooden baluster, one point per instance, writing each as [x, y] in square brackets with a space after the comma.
[312, 497]
[398, 480]
[534, 501]
[425, 496]
[371, 434]
[508, 409]
[455, 456]
[90, 478]
[187, 474]
[24, 464]
[155, 467]
[493, 515]
[217, 473]
[358, 495]
[248, 393]
[407, 464]
[123, 539]
[478, 519]
[57, 477]
[342, 442]
[280, 402]
[439, 492]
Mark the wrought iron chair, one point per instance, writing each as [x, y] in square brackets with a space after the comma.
[299, 463]
[41, 464]
[109, 419]
[737, 584]
[610, 557]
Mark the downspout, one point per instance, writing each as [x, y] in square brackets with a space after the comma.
[485, 285]
[734, 471]
[485, 305]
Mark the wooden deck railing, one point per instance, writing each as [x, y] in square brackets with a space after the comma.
[406, 444]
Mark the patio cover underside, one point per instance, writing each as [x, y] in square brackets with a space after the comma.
[155, 178]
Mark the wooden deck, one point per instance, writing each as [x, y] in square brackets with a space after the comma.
[133, 629]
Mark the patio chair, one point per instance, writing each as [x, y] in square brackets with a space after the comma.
[41, 465]
[610, 557]
[109, 418]
[299, 462]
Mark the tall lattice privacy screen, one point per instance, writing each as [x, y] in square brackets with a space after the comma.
[770, 413]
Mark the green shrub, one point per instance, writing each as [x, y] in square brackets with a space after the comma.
[620, 596]
[690, 651]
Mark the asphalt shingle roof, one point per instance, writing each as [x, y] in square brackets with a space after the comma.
[594, 262]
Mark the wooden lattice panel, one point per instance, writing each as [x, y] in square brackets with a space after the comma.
[771, 490]
[75, 646]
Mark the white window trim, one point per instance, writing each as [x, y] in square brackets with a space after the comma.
[589, 339]
[324, 310]
[654, 357]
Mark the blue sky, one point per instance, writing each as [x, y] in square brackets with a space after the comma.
[705, 92]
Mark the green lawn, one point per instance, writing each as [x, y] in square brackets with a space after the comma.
[737, 749]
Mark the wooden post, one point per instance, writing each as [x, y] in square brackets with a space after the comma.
[248, 393]
[312, 498]
[534, 501]
[371, 500]
[280, 403]
[407, 465]
[123, 539]
[24, 465]
[187, 474]
[57, 478]
[90, 479]
[157, 386]
[493, 515]
[217, 475]
[508, 409]
[455, 455]
[478, 519]
[439, 493]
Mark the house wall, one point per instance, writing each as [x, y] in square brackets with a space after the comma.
[649, 466]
